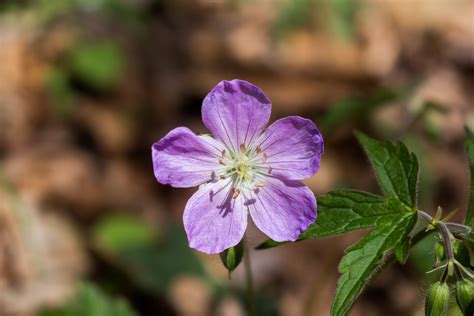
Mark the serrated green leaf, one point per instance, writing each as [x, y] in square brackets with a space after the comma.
[363, 259]
[344, 211]
[396, 168]
[469, 144]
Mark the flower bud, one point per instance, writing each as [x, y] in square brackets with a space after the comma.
[437, 299]
[439, 251]
[465, 296]
[232, 257]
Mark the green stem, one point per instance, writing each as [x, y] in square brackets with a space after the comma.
[249, 280]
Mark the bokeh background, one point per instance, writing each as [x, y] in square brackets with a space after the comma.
[86, 86]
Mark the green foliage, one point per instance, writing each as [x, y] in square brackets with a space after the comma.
[344, 17]
[469, 144]
[402, 250]
[396, 168]
[152, 264]
[363, 260]
[392, 218]
[344, 211]
[119, 232]
[91, 301]
[295, 14]
[232, 257]
[58, 88]
[355, 108]
[97, 65]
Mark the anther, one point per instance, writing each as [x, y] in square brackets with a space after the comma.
[242, 148]
[235, 193]
[222, 177]
[270, 169]
[223, 153]
[258, 150]
[259, 185]
[222, 162]
[265, 157]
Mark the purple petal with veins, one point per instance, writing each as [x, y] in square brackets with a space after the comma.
[242, 169]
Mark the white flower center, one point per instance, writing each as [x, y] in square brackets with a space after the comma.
[246, 168]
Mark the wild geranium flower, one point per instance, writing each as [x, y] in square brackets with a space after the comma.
[241, 169]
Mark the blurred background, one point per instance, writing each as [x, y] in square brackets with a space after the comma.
[86, 86]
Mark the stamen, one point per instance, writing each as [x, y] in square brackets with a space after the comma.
[265, 157]
[270, 169]
[242, 148]
[235, 193]
[223, 153]
[222, 177]
[222, 162]
[260, 185]
[258, 150]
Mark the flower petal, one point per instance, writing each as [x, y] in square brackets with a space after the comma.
[183, 159]
[213, 220]
[293, 147]
[235, 112]
[282, 209]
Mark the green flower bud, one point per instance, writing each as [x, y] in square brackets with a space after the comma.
[437, 299]
[465, 296]
[232, 257]
[439, 251]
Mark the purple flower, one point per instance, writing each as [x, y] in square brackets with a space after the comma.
[241, 169]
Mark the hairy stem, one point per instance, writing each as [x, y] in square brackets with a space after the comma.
[446, 235]
[249, 280]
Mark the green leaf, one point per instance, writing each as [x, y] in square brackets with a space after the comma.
[354, 108]
[402, 250]
[469, 144]
[363, 259]
[97, 65]
[396, 168]
[152, 264]
[118, 232]
[344, 211]
[92, 301]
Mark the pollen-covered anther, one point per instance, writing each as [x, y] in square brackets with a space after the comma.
[222, 162]
[265, 157]
[235, 193]
[242, 148]
[259, 185]
[222, 177]
[258, 150]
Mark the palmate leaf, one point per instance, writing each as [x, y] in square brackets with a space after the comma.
[348, 210]
[344, 211]
[363, 259]
[395, 167]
